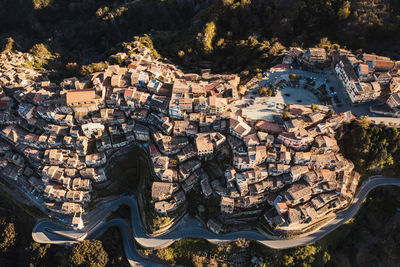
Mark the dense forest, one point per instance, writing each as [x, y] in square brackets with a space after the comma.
[374, 149]
[228, 35]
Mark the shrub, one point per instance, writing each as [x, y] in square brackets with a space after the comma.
[181, 53]
[314, 107]
[262, 91]
[8, 45]
[7, 235]
[93, 67]
[285, 115]
[40, 51]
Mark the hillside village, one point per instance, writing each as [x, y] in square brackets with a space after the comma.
[56, 140]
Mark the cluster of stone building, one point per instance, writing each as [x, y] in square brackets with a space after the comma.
[297, 170]
[365, 77]
[65, 133]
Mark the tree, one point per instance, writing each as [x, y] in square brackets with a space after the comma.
[181, 53]
[37, 251]
[40, 51]
[314, 107]
[38, 4]
[275, 48]
[7, 235]
[93, 67]
[198, 260]
[306, 255]
[326, 256]
[208, 36]
[89, 253]
[167, 255]
[288, 260]
[228, 2]
[364, 122]
[285, 115]
[292, 76]
[262, 91]
[344, 11]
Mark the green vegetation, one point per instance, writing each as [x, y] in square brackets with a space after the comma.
[7, 45]
[42, 56]
[18, 249]
[208, 36]
[205, 207]
[88, 69]
[113, 245]
[7, 236]
[227, 35]
[285, 115]
[38, 251]
[186, 252]
[314, 107]
[89, 253]
[262, 91]
[271, 91]
[158, 222]
[372, 148]
[146, 41]
[344, 12]
[38, 4]
[124, 176]
[40, 51]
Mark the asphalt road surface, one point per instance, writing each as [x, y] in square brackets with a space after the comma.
[49, 232]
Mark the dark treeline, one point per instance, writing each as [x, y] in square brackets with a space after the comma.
[232, 35]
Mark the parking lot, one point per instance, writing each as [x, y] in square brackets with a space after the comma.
[304, 91]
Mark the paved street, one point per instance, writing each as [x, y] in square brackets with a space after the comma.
[50, 232]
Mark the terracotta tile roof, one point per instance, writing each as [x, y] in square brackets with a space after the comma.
[128, 93]
[364, 68]
[369, 57]
[77, 96]
[384, 64]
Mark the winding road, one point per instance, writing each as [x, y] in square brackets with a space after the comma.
[49, 232]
